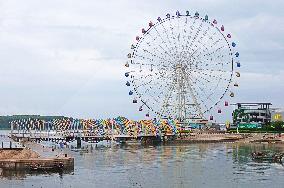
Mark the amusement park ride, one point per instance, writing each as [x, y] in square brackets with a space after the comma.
[182, 67]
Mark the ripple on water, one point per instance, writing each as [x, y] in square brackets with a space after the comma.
[193, 165]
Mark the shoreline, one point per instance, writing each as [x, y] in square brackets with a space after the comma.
[205, 137]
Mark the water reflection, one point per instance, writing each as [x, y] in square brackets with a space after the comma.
[22, 174]
[194, 165]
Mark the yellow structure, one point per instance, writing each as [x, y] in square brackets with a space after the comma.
[277, 117]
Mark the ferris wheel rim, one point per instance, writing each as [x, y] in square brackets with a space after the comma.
[156, 24]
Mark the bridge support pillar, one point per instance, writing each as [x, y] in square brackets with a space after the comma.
[79, 144]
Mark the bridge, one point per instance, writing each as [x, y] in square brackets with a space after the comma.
[118, 129]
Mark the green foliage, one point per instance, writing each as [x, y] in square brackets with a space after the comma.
[240, 113]
[273, 127]
[277, 125]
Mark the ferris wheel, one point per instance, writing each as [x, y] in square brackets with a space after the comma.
[182, 67]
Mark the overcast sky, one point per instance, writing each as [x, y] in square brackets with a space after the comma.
[66, 57]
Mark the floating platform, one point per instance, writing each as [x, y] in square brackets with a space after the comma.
[48, 164]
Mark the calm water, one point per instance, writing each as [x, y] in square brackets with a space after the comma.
[195, 165]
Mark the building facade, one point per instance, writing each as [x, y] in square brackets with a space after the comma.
[252, 115]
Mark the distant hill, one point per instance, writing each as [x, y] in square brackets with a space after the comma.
[4, 120]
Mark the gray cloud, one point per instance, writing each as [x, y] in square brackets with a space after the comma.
[66, 57]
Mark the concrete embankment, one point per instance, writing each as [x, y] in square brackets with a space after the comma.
[27, 159]
[23, 164]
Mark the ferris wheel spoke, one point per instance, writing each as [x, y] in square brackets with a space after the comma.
[155, 48]
[163, 41]
[143, 84]
[199, 80]
[165, 31]
[211, 70]
[212, 91]
[212, 76]
[156, 56]
[202, 93]
[203, 89]
[164, 50]
[195, 44]
[180, 42]
[191, 40]
[142, 57]
[183, 34]
[199, 41]
[191, 31]
[196, 34]
[212, 53]
[174, 35]
[204, 101]
[165, 102]
[209, 66]
[192, 94]
[204, 79]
